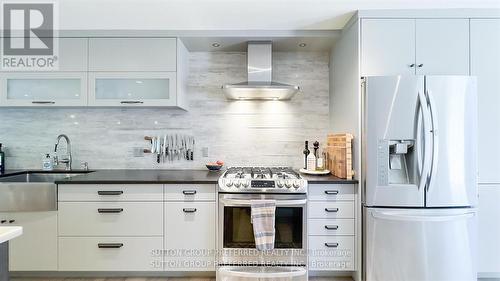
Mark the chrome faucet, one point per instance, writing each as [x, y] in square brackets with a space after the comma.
[67, 159]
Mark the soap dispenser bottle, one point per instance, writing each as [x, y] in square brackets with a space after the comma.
[47, 163]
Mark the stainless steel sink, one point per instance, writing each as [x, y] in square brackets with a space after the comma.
[32, 191]
[38, 177]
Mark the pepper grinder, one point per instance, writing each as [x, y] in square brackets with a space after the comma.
[316, 148]
[306, 153]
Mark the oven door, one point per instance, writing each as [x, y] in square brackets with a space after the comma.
[236, 242]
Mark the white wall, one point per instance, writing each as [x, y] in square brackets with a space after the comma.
[238, 132]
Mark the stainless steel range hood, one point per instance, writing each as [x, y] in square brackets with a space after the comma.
[259, 85]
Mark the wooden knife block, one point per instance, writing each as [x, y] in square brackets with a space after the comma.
[339, 155]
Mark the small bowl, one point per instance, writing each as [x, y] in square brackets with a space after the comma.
[214, 167]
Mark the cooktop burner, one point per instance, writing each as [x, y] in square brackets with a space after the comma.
[262, 180]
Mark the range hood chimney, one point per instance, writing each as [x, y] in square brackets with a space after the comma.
[259, 85]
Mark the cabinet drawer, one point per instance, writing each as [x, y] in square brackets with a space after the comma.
[109, 253]
[190, 192]
[110, 219]
[331, 192]
[331, 210]
[110, 192]
[197, 221]
[331, 227]
[331, 253]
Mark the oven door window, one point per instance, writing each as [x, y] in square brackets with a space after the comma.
[238, 229]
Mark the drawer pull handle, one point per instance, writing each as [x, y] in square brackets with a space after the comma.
[42, 102]
[331, 227]
[332, 245]
[189, 210]
[331, 192]
[3, 221]
[131, 102]
[189, 192]
[110, 211]
[110, 192]
[331, 210]
[110, 245]
[12, 221]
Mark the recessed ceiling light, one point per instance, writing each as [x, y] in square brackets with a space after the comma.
[302, 45]
[216, 45]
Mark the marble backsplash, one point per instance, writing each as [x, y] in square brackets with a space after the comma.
[237, 132]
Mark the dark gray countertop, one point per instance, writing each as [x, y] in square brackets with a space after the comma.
[145, 177]
[137, 176]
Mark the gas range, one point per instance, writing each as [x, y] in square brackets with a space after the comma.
[262, 180]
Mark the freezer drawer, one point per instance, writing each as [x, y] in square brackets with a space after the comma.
[420, 244]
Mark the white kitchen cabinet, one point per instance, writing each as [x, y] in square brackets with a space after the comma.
[110, 253]
[387, 46]
[331, 253]
[43, 89]
[133, 89]
[442, 46]
[111, 218]
[109, 192]
[72, 54]
[190, 236]
[36, 248]
[190, 192]
[132, 54]
[414, 46]
[485, 65]
[489, 229]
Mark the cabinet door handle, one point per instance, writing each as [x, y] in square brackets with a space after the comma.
[3, 221]
[331, 227]
[12, 221]
[411, 65]
[110, 192]
[331, 210]
[131, 102]
[43, 102]
[110, 245]
[331, 192]
[110, 211]
[189, 210]
[332, 245]
[420, 65]
[189, 192]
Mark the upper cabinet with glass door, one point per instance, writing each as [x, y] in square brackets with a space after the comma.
[65, 87]
[137, 72]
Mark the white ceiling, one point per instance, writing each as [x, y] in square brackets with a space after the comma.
[232, 14]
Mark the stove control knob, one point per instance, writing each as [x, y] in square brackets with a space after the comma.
[237, 184]
[229, 183]
[288, 184]
[296, 184]
[280, 184]
[245, 184]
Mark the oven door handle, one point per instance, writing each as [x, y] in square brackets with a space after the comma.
[236, 202]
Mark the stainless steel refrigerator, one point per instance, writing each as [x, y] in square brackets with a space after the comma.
[420, 178]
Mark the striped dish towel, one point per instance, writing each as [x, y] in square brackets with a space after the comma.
[263, 212]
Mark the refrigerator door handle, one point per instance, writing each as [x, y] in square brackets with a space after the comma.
[399, 217]
[418, 136]
[434, 131]
[426, 163]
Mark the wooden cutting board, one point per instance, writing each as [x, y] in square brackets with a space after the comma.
[339, 155]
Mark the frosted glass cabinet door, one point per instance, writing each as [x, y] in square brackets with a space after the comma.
[43, 89]
[133, 89]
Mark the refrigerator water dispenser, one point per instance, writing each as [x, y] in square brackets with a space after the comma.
[396, 162]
